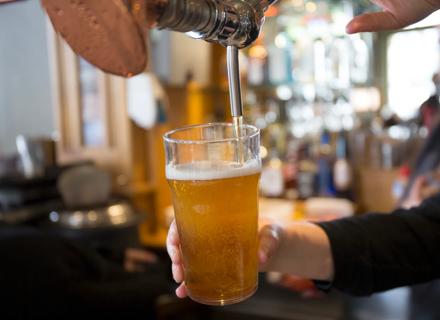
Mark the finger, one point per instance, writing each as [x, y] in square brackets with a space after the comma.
[174, 253]
[177, 272]
[173, 234]
[181, 291]
[377, 21]
[173, 244]
[270, 238]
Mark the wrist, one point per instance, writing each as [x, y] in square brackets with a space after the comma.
[304, 250]
[313, 248]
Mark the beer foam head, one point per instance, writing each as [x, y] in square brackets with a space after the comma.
[207, 170]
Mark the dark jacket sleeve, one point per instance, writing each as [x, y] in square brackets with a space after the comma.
[377, 252]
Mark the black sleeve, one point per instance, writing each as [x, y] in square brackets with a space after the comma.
[377, 252]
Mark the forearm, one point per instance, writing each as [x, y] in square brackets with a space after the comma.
[377, 252]
[304, 251]
[366, 254]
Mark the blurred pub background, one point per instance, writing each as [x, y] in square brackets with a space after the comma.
[343, 120]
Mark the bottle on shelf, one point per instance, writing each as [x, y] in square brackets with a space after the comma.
[257, 64]
[360, 60]
[401, 182]
[290, 170]
[272, 179]
[279, 61]
[342, 171]
[307, 173]
[325, 165]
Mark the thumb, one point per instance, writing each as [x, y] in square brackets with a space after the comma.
[377, 21]
[270, 240]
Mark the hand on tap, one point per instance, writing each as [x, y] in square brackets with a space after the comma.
[395, 14]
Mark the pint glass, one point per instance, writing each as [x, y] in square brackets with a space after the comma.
[213, 176]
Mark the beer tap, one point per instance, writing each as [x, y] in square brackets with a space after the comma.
[110, 33]
[228, 22]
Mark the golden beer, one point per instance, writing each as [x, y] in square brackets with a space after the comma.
[216, 210]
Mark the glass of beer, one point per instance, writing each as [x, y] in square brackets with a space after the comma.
[213, 174]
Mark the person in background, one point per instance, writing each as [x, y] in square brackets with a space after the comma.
[423, 183]
[359, 255]
[428, 160]
[430, 108]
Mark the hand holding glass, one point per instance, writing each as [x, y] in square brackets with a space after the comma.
[213, 176]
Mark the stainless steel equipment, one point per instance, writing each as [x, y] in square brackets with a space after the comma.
[110, 34]
[115, 215]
